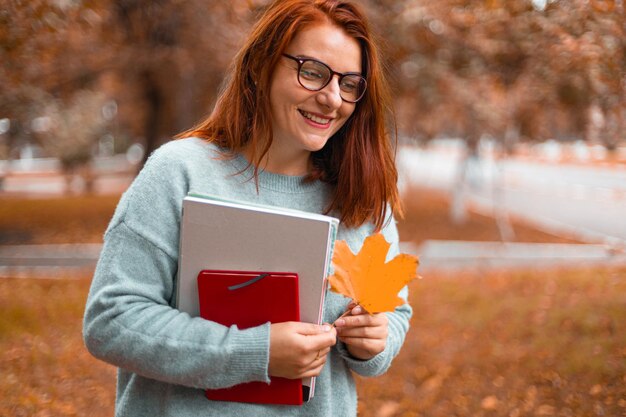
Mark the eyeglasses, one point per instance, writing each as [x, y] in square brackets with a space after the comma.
[315, 75]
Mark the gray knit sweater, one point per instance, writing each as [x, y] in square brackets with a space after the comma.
[167, 358]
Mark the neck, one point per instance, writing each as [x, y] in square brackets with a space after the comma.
[280, 162]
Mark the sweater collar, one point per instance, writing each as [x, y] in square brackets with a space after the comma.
[294, 184]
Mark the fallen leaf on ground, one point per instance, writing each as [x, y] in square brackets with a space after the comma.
[489, 403]
[388, 409]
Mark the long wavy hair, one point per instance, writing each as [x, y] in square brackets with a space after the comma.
[358, 160]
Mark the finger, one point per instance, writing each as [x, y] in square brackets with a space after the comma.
[310, 361]
[322, 352]
[322, 341]
[370, 345]
[316, 363]
[366, 319]
[358, 321]
[364, 332]
[315, 371]
[310, 329]
[340, 318]
[357, 309]
[361, 320]
[351, 309]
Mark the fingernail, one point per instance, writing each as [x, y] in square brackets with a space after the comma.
[340, 322]
[357, 310]
[326, 328]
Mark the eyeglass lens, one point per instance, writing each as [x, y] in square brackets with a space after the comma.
[314, 76]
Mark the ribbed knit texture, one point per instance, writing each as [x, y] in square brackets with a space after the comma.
[167, 358]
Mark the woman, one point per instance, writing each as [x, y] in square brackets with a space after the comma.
[300, 124]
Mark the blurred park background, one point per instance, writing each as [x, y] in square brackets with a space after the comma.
[512, 158]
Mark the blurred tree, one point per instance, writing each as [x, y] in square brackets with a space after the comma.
[162, 61]
[72, 130]
[514, 69]
[49, 53]
[511, 69]
[174, 54]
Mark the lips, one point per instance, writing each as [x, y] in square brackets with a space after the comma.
[315, 118]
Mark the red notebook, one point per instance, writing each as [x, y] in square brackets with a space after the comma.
[249, 299]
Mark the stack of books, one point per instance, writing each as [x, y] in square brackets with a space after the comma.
[246, 264]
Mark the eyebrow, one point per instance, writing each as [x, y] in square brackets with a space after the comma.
[319, 60]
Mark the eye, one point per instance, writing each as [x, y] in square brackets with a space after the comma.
[314, 71]
[311, 74]
[350, 83]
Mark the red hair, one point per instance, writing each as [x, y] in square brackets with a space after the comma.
[358, 160]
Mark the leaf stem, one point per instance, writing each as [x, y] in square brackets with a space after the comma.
[345, 313]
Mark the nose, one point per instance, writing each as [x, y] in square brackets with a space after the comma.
[330, 96]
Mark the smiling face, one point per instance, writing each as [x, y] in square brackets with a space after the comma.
[303, 120]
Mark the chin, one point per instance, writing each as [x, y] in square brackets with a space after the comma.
[314, 144]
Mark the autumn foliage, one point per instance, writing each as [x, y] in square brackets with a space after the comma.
[517, 70]
[367, 279]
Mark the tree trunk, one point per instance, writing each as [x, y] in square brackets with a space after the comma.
[154, 101]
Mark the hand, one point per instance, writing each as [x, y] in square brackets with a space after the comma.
[364, 334]
[299, 350]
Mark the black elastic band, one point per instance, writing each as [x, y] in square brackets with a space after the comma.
[245, 284]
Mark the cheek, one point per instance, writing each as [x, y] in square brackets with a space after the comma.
[284, 102]
[347, 113]
[280, 98]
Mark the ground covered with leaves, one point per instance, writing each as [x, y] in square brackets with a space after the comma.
[45, 368]
[534, 343]
[517, 343]
[76, 219]
[543, 343]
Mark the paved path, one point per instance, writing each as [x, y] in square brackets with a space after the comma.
[456, 255]
[79, 260]
[43, 177]
[588, 202]
[49, 261]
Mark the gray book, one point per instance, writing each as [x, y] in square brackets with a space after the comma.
[229, 235]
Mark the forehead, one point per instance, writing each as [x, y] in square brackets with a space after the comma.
[330, 44]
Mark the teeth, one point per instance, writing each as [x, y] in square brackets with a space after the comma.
[315, 118]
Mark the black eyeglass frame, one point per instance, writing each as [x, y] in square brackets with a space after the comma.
[301, 62]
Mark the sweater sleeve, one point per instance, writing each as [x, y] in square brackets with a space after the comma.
[398, 323]
[129, 320]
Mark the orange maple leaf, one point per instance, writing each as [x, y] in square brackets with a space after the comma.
[367, 279]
